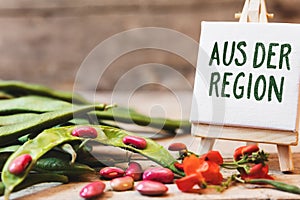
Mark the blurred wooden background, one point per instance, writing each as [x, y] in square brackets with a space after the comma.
[45, 41]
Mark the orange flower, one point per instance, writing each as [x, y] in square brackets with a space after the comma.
[187, 183]
[200, 171]
[211, 172]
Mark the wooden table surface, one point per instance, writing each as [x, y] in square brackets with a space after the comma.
[55, 191]
[165, 104]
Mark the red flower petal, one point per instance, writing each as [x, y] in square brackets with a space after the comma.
[238, 153]
[213, 156]
[257, 171]
[187, 183]
[211, 172]
[250, 149]
[191, 164]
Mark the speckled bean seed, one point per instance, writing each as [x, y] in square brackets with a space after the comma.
[111, 172]
[160, 174]
[151, 188]
[122, 183]
[134, 170]
[19, 164]
[85, 132]
[92, 189]
[178, 146]
[135, 141]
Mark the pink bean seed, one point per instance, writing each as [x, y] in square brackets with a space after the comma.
[85, 132]
[134, 170]
[135, 141]
[160, 174]
[178, 146]
[151, 188]
[111, 172]
[19, 164]
[92, 189]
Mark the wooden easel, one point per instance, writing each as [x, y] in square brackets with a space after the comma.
[253, 11]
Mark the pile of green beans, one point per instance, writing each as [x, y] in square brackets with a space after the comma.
[38, 121]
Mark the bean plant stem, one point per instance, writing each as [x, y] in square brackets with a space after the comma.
[276, 184]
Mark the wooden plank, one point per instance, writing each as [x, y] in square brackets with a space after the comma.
[46, 41]
[16, 4]
[245, 134]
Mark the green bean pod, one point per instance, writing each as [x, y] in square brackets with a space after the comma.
[33, 179]
[31, 104]
[4, 95]
[40, 104]
[10, 134]
[50, 138]
[153, 151]
[16, 118]
[58, 165]
[9, 149]
[37, 147]
[124, 115]
[278, 185]
[67, 148]
[5, 152]
[18, 88]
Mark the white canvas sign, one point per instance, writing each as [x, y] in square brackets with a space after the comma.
[247, 75]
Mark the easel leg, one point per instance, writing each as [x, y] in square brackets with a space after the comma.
[285, 158]
[206, 145]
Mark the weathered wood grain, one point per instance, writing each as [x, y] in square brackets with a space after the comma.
[46, 41]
